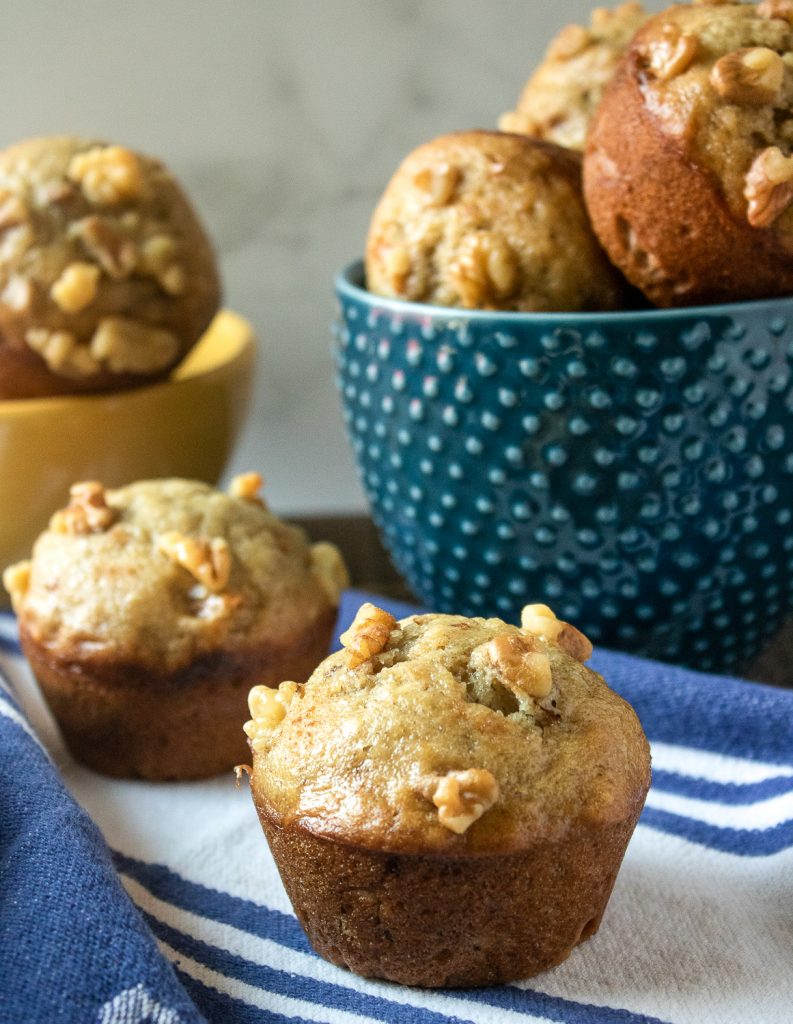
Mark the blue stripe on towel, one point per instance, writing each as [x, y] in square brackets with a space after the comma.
[734, 793]
[284, 929]
[218, 1006]
[288, 983]
[742, 842]
[220, 906]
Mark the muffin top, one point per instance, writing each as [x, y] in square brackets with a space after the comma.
[559, 99]
[163, 571]
[105, 270]
[443, 733]
[488, 220]
[718, 80]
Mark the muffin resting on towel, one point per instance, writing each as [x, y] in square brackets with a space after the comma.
[449, 800]
[486, 220]
[106, 275]
[148, 612]
[689, 167]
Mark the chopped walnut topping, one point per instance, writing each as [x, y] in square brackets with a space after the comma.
[18, 294]
[604, 16]
[518, 122]
[268, 709]
[520, 663]
[329, 568]
[438, 182]
[129, 346]
[539, 620]
[396, 263]
[107, 174]
[13, 211]
[368, 634]
[782, 9]
[672, 54]
[76, 287]
[462, 797]
[768, 187]
[751, 77]
[207, 560]
[486, 268]
[158, 258]
[61, 352]
[115, 253]
[572, 40]
[247, 486]
[16, 579]
[87, 511]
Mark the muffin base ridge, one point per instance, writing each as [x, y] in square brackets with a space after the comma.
[128, 721]
[437, 921]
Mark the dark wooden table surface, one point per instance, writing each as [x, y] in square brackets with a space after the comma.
[370, 569]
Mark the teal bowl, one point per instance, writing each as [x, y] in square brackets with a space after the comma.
[632, 470]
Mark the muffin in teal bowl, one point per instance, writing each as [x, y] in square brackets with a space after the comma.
[633, 470]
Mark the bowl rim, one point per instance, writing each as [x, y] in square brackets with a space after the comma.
[349, 284]
[225, 320]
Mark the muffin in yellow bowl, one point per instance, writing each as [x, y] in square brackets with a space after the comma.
[184, 426]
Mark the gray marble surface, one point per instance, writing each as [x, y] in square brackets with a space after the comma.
[284, 120]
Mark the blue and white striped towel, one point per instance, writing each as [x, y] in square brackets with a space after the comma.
[699, 929]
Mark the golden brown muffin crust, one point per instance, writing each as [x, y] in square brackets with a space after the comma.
[488, 220]
[107, 277]
[687, 175]
[446, 717]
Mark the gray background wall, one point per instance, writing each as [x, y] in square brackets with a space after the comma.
[284, 120]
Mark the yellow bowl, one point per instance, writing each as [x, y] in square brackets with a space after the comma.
[184, 426]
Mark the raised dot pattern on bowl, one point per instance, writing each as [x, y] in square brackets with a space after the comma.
[635, 473]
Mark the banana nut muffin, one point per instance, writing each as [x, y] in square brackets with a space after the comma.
[106, 275]
[487, 220]
[689, 166]
[558, 101]
[448, 799]
[148, 612]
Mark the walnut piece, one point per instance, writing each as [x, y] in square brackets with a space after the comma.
[107, 174]
[103, 240]
[438, 182]
[768, 188]
[247, 486]
[129, 346]
[368, 634]
[18, 294]
[672, 54]
[61, 352]
[539, 620]
[208, 560]
[782, 9]
[485, 270]
[158, 258]
[76, 287]
[16, 579]
[87, 511]
[572, 40]
[329, 568]
[396, 265]
[602, 17]
[268, 709]
[520, 664]
[462, 797]
[750, 77]
[13, 211]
